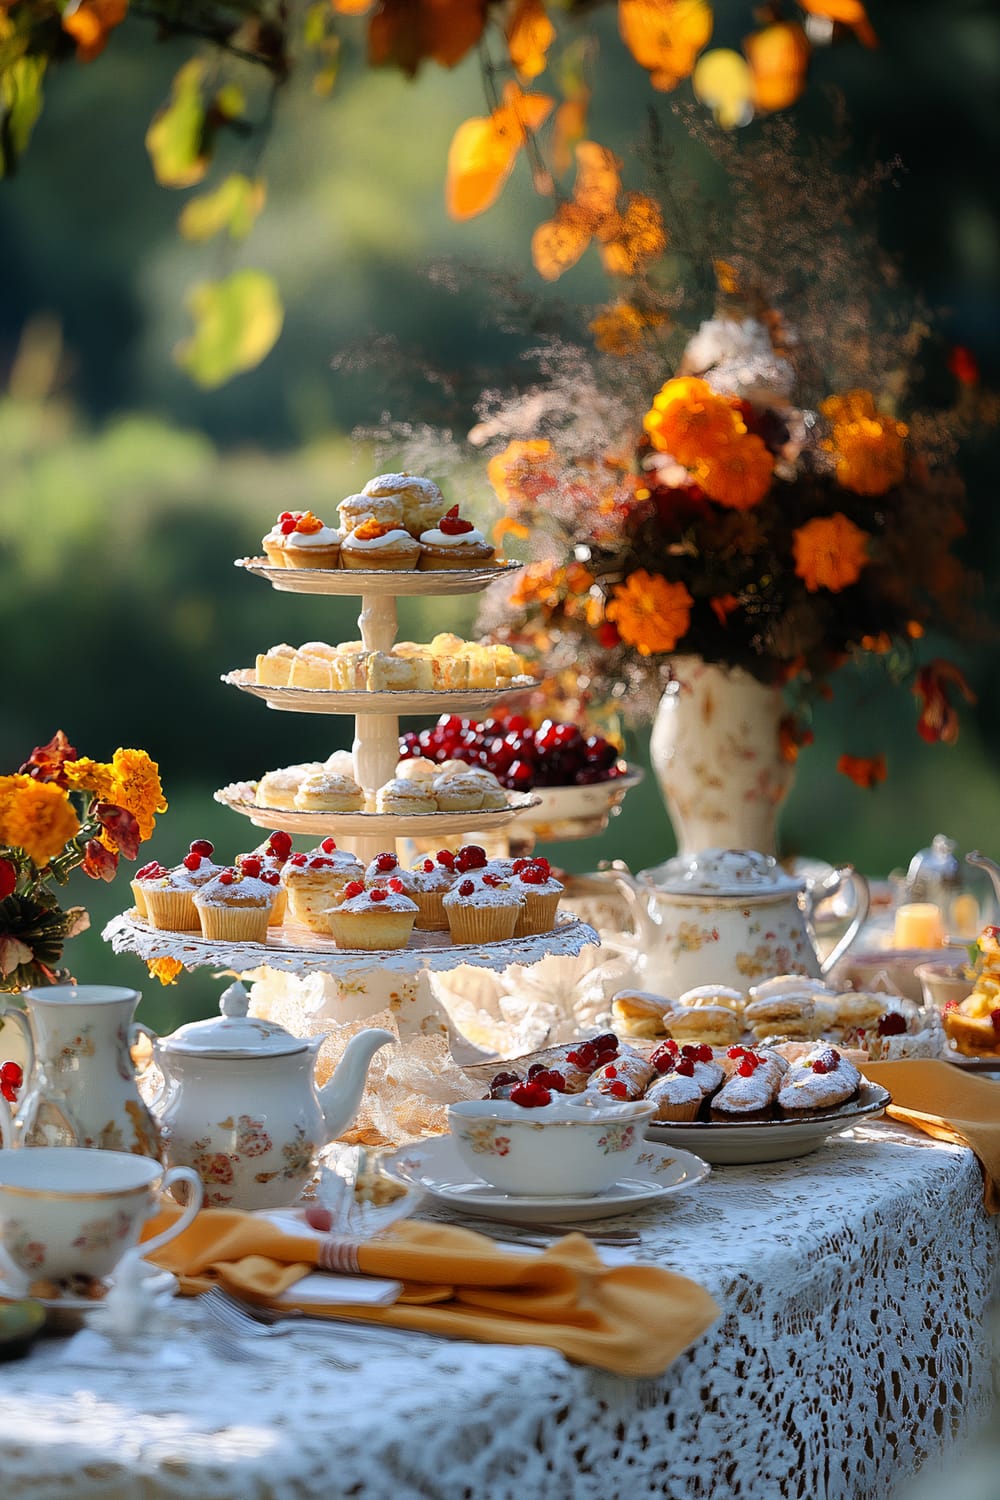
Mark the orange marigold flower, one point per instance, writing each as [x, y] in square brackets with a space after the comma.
[870, 447]
[650, 613]
[139, 788]
[829, 552]
[738, 474]
[36, 816]
[864, 770]
[95, 776]
[538, 583]
[688, 420]
[165, 970]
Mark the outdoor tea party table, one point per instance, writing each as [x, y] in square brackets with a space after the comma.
[852, 1348]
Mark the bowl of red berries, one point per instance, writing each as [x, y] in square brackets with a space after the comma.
[540, 1142]
[580, 779]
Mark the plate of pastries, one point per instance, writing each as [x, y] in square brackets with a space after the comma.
[733, 1105]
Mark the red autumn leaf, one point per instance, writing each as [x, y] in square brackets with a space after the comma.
[938, 721]
[962, 364]
[121, 828]
[406, 32]
[99, 862]
[865, 771]
[8, 878]
[46, 761]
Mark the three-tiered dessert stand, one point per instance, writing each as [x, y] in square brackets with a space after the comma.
[336, 984]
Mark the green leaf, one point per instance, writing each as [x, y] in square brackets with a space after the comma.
[176, 139]
[236, 323]
[20, 106]
[234, 205]
[231, 102]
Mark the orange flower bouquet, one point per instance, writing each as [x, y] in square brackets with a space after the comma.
[62, 811]
[765, 492]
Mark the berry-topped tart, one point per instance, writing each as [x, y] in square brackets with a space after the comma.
[454, 543]
[298, 539]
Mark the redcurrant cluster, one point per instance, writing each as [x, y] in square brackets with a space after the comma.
[520, 757]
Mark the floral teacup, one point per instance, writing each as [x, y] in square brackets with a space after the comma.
[570, 1148]
[72, 1211]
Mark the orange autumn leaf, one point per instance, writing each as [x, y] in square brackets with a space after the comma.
[569, 125]
[508, 527]
[407, 32]
[522, 471]
[779, 60]
[483, 151]
[529, 37]
[351, 7]
[620, 329]
[723, 606]
[560, 241]
[90, 23]
[598, 181]
[665, 36]
[866, 771]
[847, 13]
[829, 552]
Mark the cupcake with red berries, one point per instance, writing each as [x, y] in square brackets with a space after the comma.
[234, 908]
[298, 539]
[151, 871]
[374, 919]
[454, 543]
[483, 909]
[170, 899]
[316, 881]
[385, 868]
[541, 896]
[433, 878]
[271, 856]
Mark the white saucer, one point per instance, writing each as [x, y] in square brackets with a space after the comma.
[436, 1166]
[157, 1283]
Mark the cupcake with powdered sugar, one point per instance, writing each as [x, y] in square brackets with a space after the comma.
[483, 908]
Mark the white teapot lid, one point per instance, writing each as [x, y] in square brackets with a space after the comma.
[233, 1033]
[722, 872]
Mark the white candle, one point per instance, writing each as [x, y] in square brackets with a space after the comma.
[919, 924]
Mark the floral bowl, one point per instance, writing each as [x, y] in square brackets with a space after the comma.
[572, 1147]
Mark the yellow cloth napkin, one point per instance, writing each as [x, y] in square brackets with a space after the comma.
[949, 1105]
[633, 1320]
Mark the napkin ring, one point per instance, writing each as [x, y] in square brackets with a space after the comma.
[338, 1254]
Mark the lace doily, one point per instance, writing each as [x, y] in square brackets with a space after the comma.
[854, 1283]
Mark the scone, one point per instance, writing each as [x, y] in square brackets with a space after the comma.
[715, 1025]
[355, 509]
[406, 796]
[789, 1014]
[378, 546]
[639, 1013]
[274, 666]
[278, 788]
[422, 502]
[454, 543]
[714, 994]
[326, 791]
[462, 793]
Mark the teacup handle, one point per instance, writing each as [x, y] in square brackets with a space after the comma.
[16, 1014]
[828, 887]
[191, 1208]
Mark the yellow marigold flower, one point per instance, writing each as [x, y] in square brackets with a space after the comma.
[165, 970]
[510, 472]
[36, 816]
[829, 552]
[95, 776]
[650, 613]
[738, 474]
[871, 454]
[140, 792]
[688, 420]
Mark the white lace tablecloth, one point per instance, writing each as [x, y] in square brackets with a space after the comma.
[854, 1284]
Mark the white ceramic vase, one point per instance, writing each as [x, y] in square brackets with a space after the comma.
[715, 751]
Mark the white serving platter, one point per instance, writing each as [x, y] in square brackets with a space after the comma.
[377, 581]
[325, 701]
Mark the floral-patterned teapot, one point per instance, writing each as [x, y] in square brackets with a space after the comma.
[730, 917]
[239, 1103]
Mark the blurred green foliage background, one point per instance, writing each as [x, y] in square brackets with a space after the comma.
[126, 492]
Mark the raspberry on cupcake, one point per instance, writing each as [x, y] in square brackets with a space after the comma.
[151, 871]
[386, 867]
